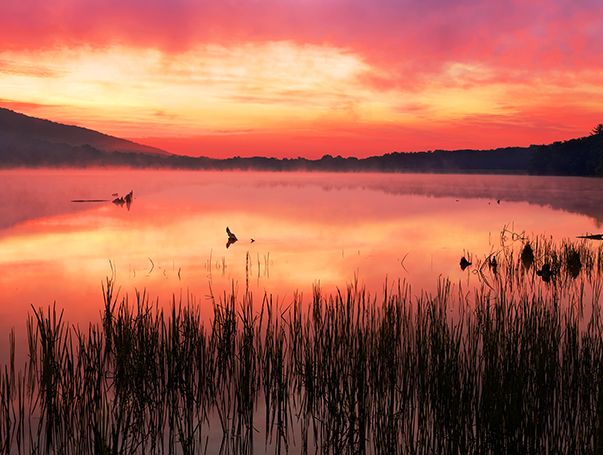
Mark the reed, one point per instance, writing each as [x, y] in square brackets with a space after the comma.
[513, 366]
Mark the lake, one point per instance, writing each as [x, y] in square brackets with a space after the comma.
[295, 231]
[64, 233]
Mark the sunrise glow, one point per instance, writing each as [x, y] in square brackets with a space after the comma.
[290, 79]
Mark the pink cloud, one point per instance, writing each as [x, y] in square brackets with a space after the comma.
[11, 68]
[555, 117]
[406, 38]
[409, 45]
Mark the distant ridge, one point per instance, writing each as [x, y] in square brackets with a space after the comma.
[29, 142]
[16, 127]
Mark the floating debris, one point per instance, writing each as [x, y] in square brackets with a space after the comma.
[127, 200]
[464, 263]
[591, 236]
[90, 200]
[231, 238]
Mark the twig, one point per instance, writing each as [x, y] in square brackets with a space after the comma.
[152, 266]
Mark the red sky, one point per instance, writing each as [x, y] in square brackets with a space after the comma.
[290, 78]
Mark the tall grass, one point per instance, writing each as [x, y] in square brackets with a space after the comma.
[514, 366]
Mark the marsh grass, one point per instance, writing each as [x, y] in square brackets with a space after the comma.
[514, 366]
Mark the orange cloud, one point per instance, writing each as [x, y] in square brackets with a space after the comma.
[365, 77]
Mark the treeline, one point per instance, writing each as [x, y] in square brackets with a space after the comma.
[35, 153]
[580, 157]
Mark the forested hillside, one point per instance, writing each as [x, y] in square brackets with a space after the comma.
[583, 156]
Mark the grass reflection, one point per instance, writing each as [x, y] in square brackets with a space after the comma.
[513, 367]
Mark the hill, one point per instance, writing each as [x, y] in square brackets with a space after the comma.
[19, 129]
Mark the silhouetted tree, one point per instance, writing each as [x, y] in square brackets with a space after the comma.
[580, 157]
[597, 130]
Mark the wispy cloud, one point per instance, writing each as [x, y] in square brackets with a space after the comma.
[13, 68]
[183, 66]
[21, 106]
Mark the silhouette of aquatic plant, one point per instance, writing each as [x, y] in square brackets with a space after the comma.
[496, 370]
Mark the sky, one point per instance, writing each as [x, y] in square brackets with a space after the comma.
[289, 78]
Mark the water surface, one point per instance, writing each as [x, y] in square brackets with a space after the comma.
[294, 230]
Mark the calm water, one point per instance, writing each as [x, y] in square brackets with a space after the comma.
[307, 230]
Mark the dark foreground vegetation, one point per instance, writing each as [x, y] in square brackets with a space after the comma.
[513, 367]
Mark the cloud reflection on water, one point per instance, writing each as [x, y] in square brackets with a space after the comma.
[308, 229]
